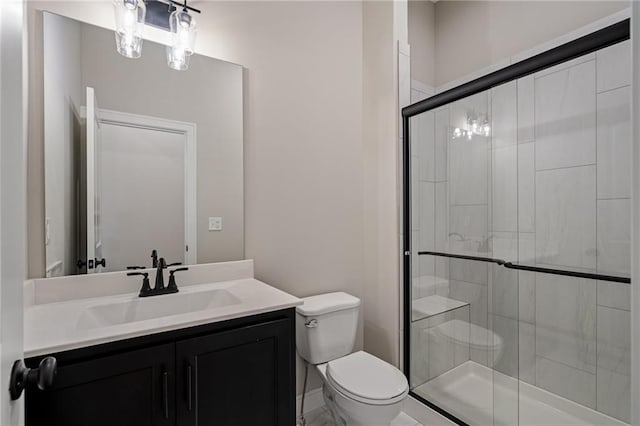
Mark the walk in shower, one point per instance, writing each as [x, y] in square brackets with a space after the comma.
[517, 240]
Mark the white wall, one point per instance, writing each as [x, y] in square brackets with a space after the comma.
[378, 130]
[472, 35]
[63, 99]
[386, 87]
[422, 39]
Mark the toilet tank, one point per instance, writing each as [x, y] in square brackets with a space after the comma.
[326, 326]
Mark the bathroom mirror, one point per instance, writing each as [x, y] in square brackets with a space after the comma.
[136, 156]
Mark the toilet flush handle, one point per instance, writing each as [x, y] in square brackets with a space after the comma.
[313, 323]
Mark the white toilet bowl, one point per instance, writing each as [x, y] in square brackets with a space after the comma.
[362, 390]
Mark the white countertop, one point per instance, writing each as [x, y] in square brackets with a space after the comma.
[61, 326]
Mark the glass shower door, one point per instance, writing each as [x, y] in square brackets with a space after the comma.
[464, 330]
[520, 248]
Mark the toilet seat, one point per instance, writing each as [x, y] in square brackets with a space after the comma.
[367, 379]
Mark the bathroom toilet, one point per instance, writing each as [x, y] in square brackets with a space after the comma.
[358, 388]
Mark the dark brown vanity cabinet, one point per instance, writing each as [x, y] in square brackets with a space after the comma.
[234, 373]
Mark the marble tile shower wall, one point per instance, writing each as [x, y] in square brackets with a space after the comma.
[551, 187]
[573, 194]
[429, 200]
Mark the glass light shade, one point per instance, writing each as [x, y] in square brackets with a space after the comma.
[177, 58]
[130, 16]
[183, 40]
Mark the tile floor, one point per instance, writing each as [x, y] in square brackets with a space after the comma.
[322, 417]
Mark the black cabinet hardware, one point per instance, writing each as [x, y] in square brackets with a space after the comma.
[189, 388]
[165, 394]
[101, 262]
[22, 376]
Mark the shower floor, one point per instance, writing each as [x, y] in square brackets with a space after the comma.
[469, 390]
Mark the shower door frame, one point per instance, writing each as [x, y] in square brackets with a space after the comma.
[605, 37]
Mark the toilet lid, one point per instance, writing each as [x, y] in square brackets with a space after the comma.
[365, 377]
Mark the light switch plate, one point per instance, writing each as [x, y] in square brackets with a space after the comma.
[215, 224]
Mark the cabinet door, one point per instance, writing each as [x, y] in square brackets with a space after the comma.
[131, 389]
[241, 377]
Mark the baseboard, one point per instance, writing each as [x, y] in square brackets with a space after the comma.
[312, 401]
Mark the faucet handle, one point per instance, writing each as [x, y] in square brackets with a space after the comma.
[174, 264]
[146, 287]
[135, 267]
[172, 286]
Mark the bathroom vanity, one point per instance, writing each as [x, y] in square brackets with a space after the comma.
[227, 357]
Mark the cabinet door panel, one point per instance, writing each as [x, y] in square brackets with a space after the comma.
[241, 377]
[131, 389]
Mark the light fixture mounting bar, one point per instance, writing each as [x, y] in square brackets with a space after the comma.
[184, 5]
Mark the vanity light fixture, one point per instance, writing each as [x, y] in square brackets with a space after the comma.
[171, 15]
[130, 18]
[183, 37]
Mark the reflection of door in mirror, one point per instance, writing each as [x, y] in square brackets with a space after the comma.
[94, 258]
[64, 153]
[145, 170]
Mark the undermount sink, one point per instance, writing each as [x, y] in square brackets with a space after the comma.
[154, 307]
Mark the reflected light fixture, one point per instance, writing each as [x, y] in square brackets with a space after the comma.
[130, 18]
[183, 37]
[474, 126]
